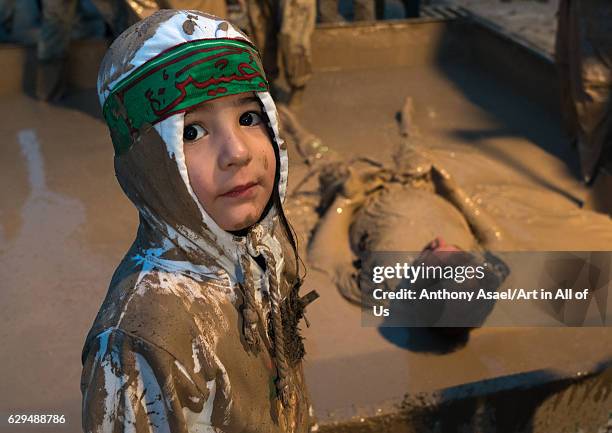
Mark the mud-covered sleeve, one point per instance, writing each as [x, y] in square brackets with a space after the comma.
[131, 385]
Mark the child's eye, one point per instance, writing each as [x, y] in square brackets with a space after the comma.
[250, 118]
[193, 132]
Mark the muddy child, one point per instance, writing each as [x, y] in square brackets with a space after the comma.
[199, 329]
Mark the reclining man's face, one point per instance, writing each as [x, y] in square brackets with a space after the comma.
[230, 159]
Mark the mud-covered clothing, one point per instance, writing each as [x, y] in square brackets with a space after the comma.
[166, 353]
[57, 21]
[584, 59]
[199, 329]
[282, 30]
[60, 17]
[297, 25]
[263, 27]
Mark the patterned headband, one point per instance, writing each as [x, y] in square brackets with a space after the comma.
[178, 79]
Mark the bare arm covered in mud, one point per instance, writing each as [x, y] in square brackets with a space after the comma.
[484, 228]
[330, 246]
[481, 223]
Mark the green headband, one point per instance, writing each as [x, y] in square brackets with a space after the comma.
[178, 79]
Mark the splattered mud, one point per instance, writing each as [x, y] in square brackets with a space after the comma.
[68, 224]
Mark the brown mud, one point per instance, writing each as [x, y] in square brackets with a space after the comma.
[497, 148]
[477, 202]
[506, 209]
[62, 238]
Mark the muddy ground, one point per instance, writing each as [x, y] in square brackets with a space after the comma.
[65, 224]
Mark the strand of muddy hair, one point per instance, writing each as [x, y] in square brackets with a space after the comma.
[249, 312]
[283, 384]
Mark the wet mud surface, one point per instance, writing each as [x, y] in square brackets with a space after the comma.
[511, 158]
[514, 160]
[65, 225]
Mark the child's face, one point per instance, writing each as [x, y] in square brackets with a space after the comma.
[230, 159]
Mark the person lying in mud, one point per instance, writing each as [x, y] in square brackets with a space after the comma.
[414, 206]
[199, 328]
[360, 207]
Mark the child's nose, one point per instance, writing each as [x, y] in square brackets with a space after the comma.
[234, 152]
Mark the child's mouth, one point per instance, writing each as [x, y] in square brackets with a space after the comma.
[244, 190]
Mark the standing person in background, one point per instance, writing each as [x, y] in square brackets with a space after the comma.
[282, 30]
[298, 19]
[58, 20]
[584, 60]
[52, 50]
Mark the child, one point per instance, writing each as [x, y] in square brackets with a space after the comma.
[198, 331]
